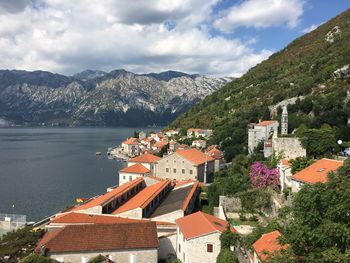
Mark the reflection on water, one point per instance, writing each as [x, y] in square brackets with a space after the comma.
[42, 170]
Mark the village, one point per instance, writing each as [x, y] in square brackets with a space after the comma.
[156, 213]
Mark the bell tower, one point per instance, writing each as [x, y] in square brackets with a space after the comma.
[284, 121]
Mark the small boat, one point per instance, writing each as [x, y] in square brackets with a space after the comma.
[98, 153]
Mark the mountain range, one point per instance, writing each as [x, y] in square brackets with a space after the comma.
[311, 76]
[98, 98]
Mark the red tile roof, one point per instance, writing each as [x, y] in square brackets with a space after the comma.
[145, 158]
[318, 171]
[160, 144]
[135, 169]
[268, 244]
[285, 162]
[81, 218]
[193, 130]
[131, 141]
[98, 237]
[265, 123]
[190, 195]
[143, 198]
[215, 153]
[199, 224]
[105, 198]
[195, 156]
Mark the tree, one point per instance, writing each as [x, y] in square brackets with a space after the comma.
[300, 163]
[320, 229]
[37, 258]
[97, 259]
[261, 176]
[227, 238]
[226, 256]
[318, 142]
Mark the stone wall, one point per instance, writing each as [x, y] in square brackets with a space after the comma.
[123, 256]
[291, 148]
[230, 204]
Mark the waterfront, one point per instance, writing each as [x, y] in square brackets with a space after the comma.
[42, 170]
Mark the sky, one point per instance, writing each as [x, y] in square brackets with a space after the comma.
[212, 37]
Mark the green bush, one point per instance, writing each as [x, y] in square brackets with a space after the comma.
[226, 256]
[37, 258]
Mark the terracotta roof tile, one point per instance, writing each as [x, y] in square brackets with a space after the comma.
[285, 162]
[131, 141]
[190, 195]
[265, 123]
[318, 171]
[142, 198]
[82, 218]
[268, 244]
[215, 153]
[200, 223]
[97, 237]
[195, 156]
[115, 193]
[135, 169]
[145, 158]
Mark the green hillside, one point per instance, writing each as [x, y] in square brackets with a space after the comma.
[304, 68]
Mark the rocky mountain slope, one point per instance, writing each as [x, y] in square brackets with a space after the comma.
[117, 98]
[311, 75]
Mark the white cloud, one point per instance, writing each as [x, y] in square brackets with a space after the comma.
[71, 36]
[261, 14]
[311, 28]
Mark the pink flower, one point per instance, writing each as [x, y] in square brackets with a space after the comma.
[261, 176]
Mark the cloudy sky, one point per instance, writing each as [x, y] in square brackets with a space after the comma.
[215, 37]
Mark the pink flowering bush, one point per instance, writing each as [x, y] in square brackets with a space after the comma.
[261, 176]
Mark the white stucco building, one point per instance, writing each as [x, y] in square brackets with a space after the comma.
[261, 131]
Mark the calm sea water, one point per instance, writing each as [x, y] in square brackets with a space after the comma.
[43, 170]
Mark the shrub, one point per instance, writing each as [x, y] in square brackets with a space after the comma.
[226, 256]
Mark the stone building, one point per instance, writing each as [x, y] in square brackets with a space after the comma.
[266, 245]
[284, 121]
[198, 237]
[81, 243]
[186, 164]
[261, 132]
[147, 160]
[315, 173]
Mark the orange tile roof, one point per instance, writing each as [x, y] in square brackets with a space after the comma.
[215, 153]
[156, 178]
[193, 130]
[82, 218]
[183, 182]
[195, 156]
[130, 141]
[143, 198]
[115, 193]
[199, 224]
[285, 162]
[318, 171]
[135, 169]
[265, 123]
[268, 244]
[145, 158]
[190, 195]
[160, 144]
[101, 237]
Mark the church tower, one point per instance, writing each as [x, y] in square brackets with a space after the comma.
[284, 121]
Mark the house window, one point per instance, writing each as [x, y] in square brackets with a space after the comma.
[184, 257]
[183, 171]
[167, 170]
[174, 170]
[183, 239]
[191, 172]
[130, 178]
[210, 248]
[179, 248]
[123, 177]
